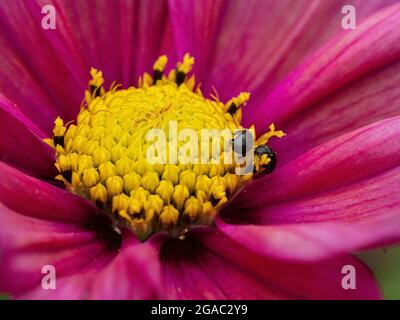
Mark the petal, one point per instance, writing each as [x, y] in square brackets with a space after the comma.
[343, 200]
[250, 45]
[28, 244]
[50, 68]
[210, 265]
[123, 39]
[31, 197]
[364, 201]
[315, 241]
[352, 157]
[371, 98]
[20, 144]
[191, 271]
[34, 77]
[73, 287]
[346, 58]
[195, 27]
[361, 216]
[133, 274]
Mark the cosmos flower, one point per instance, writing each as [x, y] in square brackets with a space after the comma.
[287, 234]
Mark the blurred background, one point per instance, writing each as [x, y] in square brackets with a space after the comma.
[386, 265]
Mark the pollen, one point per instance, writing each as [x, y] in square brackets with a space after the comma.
[109, 155]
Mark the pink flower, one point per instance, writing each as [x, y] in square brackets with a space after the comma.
[334, 92]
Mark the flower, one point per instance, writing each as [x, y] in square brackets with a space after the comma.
[285, 235]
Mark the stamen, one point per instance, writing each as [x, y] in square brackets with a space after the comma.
[183, 68]
[158, 68]
[103, 156]
[58, 132]
[233, 106]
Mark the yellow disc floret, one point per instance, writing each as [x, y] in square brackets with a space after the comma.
[145, 155]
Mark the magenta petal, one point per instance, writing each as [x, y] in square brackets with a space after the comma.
[369, 99]
[123, 41]
[360, 216]
[317, 280]
[315, 241]
[29, 196]
[74, 287]
[258, 42]
[47, 70]
[355, 156]
[21, 145]
[33, 74]
[133, 274]
[372, 45]
[210, 265]
[191, 271]
[195, 26]
[360, 201]
[27, 244]
[339, 197]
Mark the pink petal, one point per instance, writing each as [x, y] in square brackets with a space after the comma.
[133, 274]
[210, 265]
[73, 287]
[340, 197]
[315, 241]
[27, 244]
[251, 45]
[195, 27]
[191, 271]
[35, 198]
[21, 145]
[122, 41]
[374, 44]
[371, 98]
[49, 69]
[34, 77]
[373, 198]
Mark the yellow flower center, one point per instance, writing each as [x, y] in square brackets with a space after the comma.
[110, 156]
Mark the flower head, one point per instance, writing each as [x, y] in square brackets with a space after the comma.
[204, 230]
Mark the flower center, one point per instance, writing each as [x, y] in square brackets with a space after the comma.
[110, 154]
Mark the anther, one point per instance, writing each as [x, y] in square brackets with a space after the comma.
[95, 91]
[235, 103]
[183, 68]
[67, 175]
[158, 68]
[94, 85]
[180, 77]
[232, 108]
[58, 132]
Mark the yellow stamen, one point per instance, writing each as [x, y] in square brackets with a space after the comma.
[103, 156]
[186, 65]
[160, 63]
